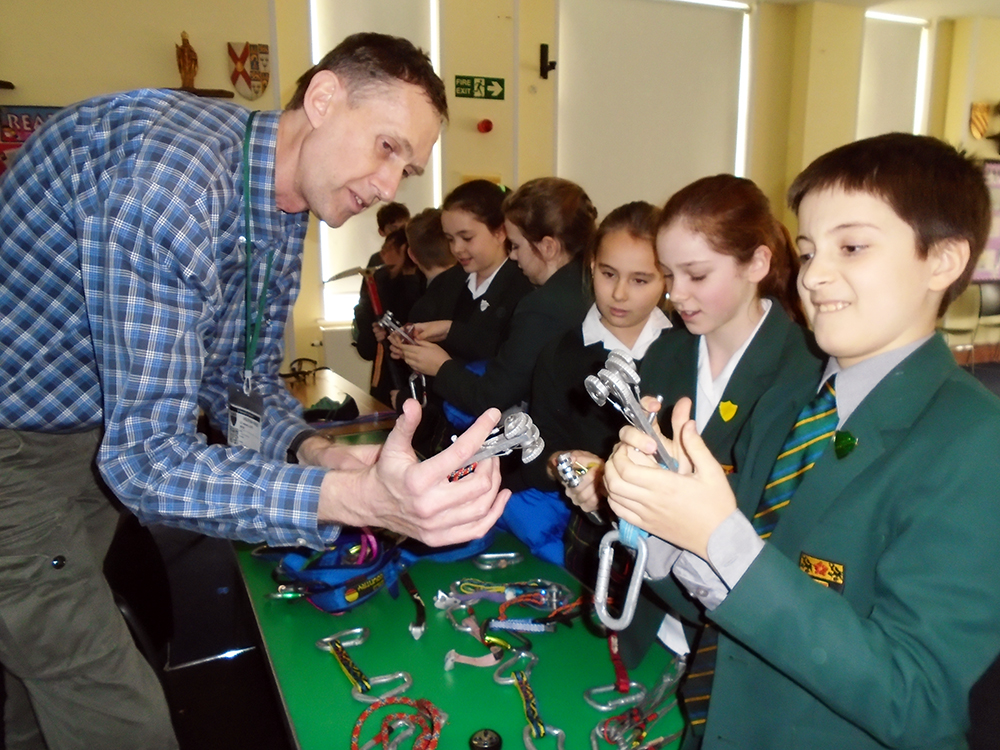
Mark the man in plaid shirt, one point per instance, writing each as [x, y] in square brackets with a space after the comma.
[129, 303]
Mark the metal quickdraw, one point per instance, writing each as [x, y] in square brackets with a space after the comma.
[338, 643]
[388, 322]
[629, 730]
[617, 385]
[535, 727]
[518, 432]
[629, 692]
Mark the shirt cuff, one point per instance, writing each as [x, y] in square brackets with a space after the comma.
[661, 559]
[293, 448]
[732, 548]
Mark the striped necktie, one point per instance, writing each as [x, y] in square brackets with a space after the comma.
[813, 431]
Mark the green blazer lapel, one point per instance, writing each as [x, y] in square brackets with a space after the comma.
[670, 370]
[879, 423]
[754, 374]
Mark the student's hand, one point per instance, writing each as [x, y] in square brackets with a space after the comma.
[423, 357]
[319, 451]
[589, 494]
[684, 507]
[395, 341]
[433, 330]
[416, 498]
[379, 331]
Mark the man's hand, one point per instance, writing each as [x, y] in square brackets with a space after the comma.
[416, 498]
[683, 507]
[318, 451]
[422, 357]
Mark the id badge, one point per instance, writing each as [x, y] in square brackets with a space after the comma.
[246, 414]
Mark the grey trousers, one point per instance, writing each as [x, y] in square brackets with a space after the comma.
[73, 675]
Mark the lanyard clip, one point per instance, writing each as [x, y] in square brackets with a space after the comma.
[247, 381]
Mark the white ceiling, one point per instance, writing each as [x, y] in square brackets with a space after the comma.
[925, 8]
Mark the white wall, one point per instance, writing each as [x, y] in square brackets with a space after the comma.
[887, 96]
[647, 96]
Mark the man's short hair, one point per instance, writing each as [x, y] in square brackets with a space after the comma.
[935, 189]
[427, 241]
[365, 61]
[391, 215]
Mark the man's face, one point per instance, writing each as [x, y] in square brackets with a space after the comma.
[864, 288]
[358, 152]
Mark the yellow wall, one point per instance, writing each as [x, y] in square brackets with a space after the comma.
[57, 53]
[770, 100]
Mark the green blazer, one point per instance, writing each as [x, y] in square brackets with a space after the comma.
[542, 316]
[912, 514]
[781, 365]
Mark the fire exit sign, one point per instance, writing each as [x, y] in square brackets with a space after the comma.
[478, 87]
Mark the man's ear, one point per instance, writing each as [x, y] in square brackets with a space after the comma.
[948, 259]
[321, 95]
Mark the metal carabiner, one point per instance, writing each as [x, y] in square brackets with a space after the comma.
[606, 555]
[625, 700]
[495, 560]
[461, 627]
[404, 679]
[560, 735]
[346, 638]
[506, 666]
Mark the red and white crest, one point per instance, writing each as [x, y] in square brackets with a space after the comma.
[249, 68]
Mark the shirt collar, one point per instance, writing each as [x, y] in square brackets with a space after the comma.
[854, 383]
[269, 222]
[595, 331]
[479, 291]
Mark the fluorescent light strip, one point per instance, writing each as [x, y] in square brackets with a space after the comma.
[877, 16]
[743, 105]
[437, 189]
[730, 4]
[923, 63]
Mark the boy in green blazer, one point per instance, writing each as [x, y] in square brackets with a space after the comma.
[871, 604]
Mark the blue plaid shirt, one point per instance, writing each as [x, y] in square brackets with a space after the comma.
[123, 304]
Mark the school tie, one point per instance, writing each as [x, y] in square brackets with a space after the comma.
[813, 431]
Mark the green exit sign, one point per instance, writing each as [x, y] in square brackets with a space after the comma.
[478, 87]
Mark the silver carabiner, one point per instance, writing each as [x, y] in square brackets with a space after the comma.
[606, 555]
[626, 700]
[404, 679]
[346, 638]
[505, 667]
[560, 735]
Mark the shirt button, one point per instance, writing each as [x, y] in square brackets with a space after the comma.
[302, 542]
[702, 592]
[58, 562]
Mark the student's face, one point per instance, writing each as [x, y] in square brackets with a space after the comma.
[863, 286]
[392, 254]
[475, 247]
[356, 154]
[711, 291]
[628, 282]
[531, 263]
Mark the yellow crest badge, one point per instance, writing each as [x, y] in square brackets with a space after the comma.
[824, 572]
[727, 410]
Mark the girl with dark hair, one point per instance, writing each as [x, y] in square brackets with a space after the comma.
[549, 222]
[731, 271]
[474, 316]
[628, 287]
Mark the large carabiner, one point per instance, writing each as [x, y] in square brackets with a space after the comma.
[606, 555]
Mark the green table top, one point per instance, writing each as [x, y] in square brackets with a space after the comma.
[317, 694]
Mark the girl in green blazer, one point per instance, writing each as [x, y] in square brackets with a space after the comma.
[730, 273]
